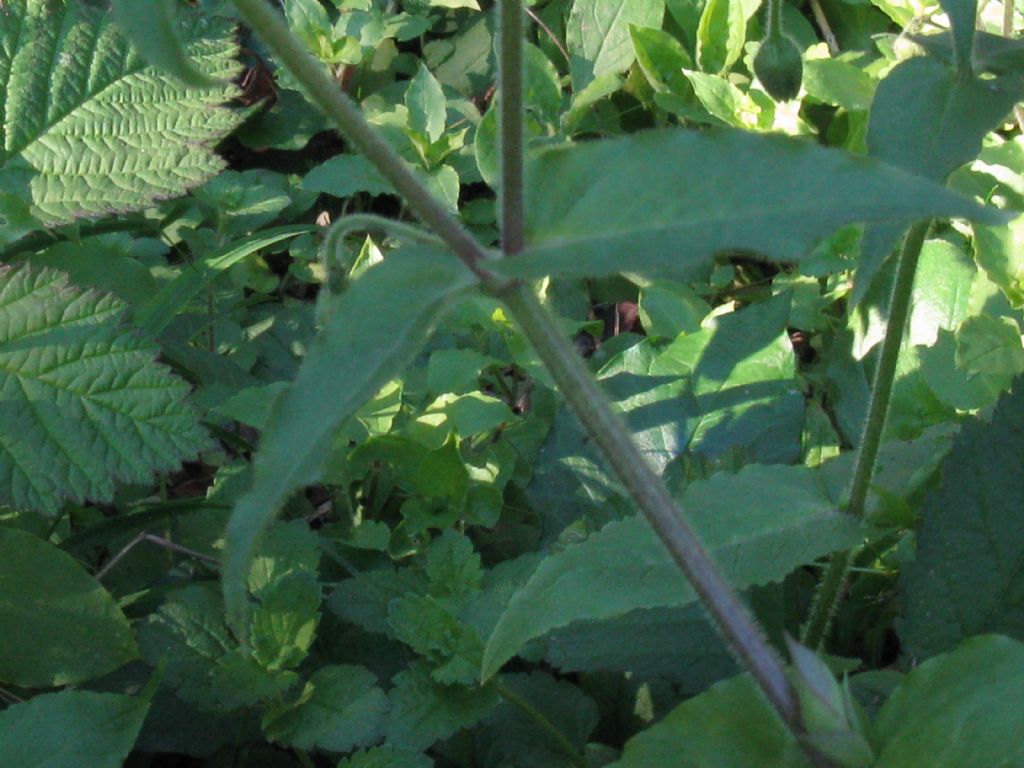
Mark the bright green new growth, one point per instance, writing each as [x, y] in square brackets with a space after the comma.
[88, 127]
[83, 405]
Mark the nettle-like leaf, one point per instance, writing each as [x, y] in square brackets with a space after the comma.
[666, 201]
[968, 574]
[597, 35]
[83, 404]
[46, 595]
[88, 127]
[759, 524]
[71, 729]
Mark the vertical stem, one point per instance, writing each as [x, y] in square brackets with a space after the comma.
[510, 137]
[608, 430]
[774, 18]
[831, 588]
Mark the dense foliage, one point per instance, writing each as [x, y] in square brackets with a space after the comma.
[284, 483]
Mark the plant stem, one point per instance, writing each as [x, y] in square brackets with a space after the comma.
[510, 138]
[774, 18]
[578, 387]
[831, 589]
[325, 93]
[826, 29]
[612, 436]
[564, 745]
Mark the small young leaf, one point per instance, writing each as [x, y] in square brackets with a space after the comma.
[71, 729]
[379, 322]
[426, 104]
[60, 625]
[152, 28]
[451, 646]
[759, 524]
[284, 624]
[964, 709]
[602, 207]
[720, 35]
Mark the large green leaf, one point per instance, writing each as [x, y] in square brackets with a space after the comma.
[88, 127]
[60, 625]
[376, 326]
[963, 709]
[666, 201]
[729, 726]
[597, 35]
[928, 121]
[71, 729]
[759, 524]
[83, 405]
[152, 28]
[968, 574]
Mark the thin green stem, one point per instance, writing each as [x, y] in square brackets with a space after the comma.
[831, 589]
[774, 18]
[575, 382]
[510, 109]
[325, 93]
[612, 436]
[369, 222]
[561, 741]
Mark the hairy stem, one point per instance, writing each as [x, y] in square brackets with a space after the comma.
[510, 137]
[831, 588]
[612, 436]
[578, 387]
[561, 741]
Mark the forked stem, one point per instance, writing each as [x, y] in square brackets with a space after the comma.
[578, 387]
[831, 588]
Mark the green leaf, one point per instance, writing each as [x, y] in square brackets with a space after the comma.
[453, 567]
[89, 128]
[379, 322]
[964, 709]
[238, 680]
[287, 549]
[721, 33]
[426, 104]
[83, 404]
[71, 729]
[152, 28]
[452, 647]
[839, 83]
[597, 35]
[189, 637]
[346, 175]
[759, 524]
[387, 757]
[990, 345]
[661, 58]
[341, 708]
[45, 593]
[624, 204]
[284, 625]
[363, 600]
[424, 711]
[968, 574]
[929, 121]
[1000, 252]
[155, 315]
[730, 726]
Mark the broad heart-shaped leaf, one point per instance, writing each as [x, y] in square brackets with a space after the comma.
[60, 625]
[760, 524]
[729, 726]
[968, 573]
[597, 35]
[71, 729]
[83, 404]
[666, 201]
[964, 709]
[928, 121]
[377, 324]
[88, 127]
